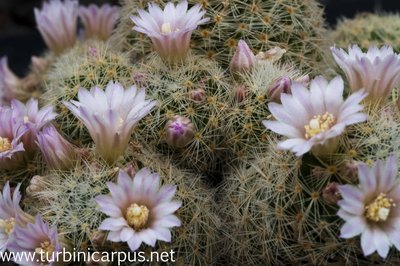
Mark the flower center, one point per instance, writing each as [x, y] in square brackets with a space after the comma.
[318, 124]
[166, 28]
[45, 248]
[137, 216]
[379, 209]
[7, 225]
[5, 144]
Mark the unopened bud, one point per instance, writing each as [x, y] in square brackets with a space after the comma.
[271, 55]
[39, 65]
[179, 131]
[95, 259]
[98, 239]
[36, 185]
[350, 170]
[198, 95]
[243, 60]
[279, 86]
[304, 80]
[131, 169]
[92, 51]
[240, 93]
[331, 193]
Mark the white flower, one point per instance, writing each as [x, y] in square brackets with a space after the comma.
[376, 71]
[372, 209]
[313, 119]
[57, 22]
[139, 209]
[170, 30]
[110, 116]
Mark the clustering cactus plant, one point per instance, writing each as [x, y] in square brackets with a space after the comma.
[197, 92]
[296, 26]
[89, 64]
[368, 28]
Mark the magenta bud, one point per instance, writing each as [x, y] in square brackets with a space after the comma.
[331, 193]
[139, 78]
[92, 51]
[240, 93]
[243, 60]
[279, 86]
[198, 95]
[179, 131]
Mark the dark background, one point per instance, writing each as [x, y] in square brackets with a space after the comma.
[19, 39]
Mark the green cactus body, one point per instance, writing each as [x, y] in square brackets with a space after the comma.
[66, 199]
[296, 26]
[277, 210]
[88, 64]
[368, 29]
[172, 86]
[245, 133]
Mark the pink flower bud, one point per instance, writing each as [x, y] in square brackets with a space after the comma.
[57, 151]
[98, 239]
[331, 193]
[198, 95]
[304, 80]
[179, 131]
[243, 59]
[240, 93]
[36, 184]
[92, 51]
[350, 171]
[279, 86]
[39, 65]
[131, 169]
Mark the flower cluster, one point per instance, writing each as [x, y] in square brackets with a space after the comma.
[139, 209]
[170, 29]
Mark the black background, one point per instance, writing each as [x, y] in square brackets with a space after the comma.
[19, 39]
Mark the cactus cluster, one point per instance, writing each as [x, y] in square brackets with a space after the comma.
[196, 90]
[66, 199]
[367, 29]
[296, 26]
[88, 64]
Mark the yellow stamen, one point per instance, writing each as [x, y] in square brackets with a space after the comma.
[46, 250]
[7, 225]
[137, 216]
[26, 119]
[319, 124]
[166, 27]
[379, 209]
[5, 144]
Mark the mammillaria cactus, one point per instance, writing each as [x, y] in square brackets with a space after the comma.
[176, 89]
[74, 209]
[296, 26]
[367, 29]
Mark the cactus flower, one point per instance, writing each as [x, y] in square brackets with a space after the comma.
[57, 151]
[314, 119]
[139, 209]
[11, 214]
[243, 60]
[170, 29]
[376, 71]
[371, 209]
[38, 240]
[110, 116]
[57, 22]
[179, 131]
[98, 21]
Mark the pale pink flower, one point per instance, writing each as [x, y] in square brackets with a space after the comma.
[37, 240]
[170, 29]
[57, 22]
[98, 21]
[313, 119]
[11, 214]
[139, 209]
[11, 86]
[372, 209]
[110, 116]
[376, 71]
